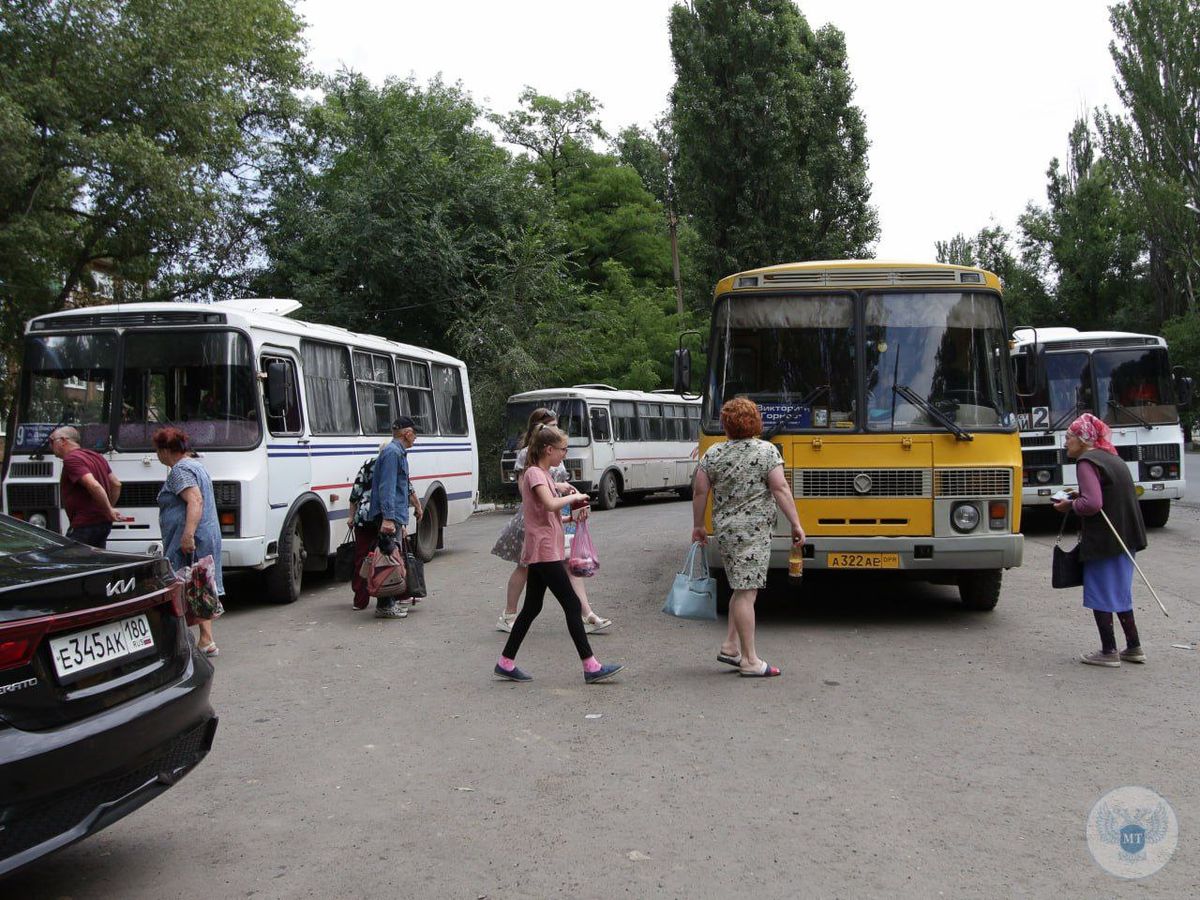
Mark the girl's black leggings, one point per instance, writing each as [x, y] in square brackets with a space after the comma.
[551, 575]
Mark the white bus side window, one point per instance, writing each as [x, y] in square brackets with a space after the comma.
[625, 420]
[376, 392]
[416, 394]
[291, 422]
[651, 417]
[448, 399]
[693, 422]
[329, 385]
[600, 426]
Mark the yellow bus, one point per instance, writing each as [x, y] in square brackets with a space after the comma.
[888, 391]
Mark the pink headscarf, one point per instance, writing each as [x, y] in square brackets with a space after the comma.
[1092, 431]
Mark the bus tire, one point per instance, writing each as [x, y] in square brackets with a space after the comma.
[980, 591]
[285, 579]
[426, 537]
[1156, 512]
[724, 591]
[606, 497]
[685, 493]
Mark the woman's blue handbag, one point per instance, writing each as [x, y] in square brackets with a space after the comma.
[694, 593]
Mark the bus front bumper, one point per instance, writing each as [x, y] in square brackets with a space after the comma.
[1151, 490]
[236, 553]
[899, 554]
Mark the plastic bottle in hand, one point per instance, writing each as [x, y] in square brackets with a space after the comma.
[796, 564]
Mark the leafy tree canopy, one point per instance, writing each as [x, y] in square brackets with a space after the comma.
[772, 153]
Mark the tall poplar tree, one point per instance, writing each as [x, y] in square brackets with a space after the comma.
[1155, 145]
[772, 153]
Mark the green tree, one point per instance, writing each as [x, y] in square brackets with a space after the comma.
[552, 130]
[608, 215]
[648, 154]
[395, 214]
[772, 153]
[1153, 145]
[1025, 298]
[1084, 245]
[130, 135]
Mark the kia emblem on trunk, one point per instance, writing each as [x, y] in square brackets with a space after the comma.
[119, 587]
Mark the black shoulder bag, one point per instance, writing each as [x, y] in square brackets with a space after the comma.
[1066, 568]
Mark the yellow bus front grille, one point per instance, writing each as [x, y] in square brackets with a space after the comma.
[972, 482]
[825, 483]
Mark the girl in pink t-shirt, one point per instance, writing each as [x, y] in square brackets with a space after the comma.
[543, 553]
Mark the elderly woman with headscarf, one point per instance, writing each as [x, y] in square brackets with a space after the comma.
[1105, 489]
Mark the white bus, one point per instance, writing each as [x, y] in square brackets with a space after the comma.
[623, 444]
[1124, 379]
[282, 412]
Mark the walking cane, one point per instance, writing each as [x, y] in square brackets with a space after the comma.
[1134, 561]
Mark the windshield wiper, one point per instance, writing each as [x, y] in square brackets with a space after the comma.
[1053, 426]
[1125, 409]
[940, 417]
[788, 419]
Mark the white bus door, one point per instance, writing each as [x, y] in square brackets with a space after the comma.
[604, 448]
[289, 468]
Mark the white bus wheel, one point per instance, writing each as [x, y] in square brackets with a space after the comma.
[427, 530]
[286, 577]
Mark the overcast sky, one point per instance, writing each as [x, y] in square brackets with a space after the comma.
[965, 101]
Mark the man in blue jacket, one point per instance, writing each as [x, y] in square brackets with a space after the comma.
[391, 495]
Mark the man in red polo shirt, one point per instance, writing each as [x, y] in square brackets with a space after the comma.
[88, 487]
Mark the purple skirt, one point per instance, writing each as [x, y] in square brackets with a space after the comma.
[1108, 584]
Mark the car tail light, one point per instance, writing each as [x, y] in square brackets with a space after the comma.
[177, 603]
[18, 643]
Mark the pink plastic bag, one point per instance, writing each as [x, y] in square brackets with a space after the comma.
[583, 561]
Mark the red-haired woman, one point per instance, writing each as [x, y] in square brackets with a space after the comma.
[745, 476]
[187, 517]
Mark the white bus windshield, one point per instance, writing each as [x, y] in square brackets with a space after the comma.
[68, 381]
[571, 419]
[204, 384]
[1134, 387]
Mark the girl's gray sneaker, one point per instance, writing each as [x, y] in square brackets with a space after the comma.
[1100, 658]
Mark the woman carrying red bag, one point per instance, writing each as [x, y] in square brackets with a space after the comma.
[542, 552]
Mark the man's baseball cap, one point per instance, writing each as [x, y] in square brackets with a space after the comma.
[402, 422]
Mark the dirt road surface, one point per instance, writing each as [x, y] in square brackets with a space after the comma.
[911, 748]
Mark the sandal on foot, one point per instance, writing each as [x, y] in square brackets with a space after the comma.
[209, 649]
[729, 660]
[767, 671]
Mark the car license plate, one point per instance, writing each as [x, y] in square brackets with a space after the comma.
[101, 647]
[863, 561]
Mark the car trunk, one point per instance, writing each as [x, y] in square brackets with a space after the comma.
[84, 630]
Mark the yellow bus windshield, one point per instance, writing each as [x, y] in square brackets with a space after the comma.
[883, 361]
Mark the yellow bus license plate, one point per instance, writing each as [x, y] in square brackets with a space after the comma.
[863, 560]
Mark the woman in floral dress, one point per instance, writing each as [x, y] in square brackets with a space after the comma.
[745, 476]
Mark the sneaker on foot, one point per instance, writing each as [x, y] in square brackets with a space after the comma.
[513, 674]
[603, 673]
[1100, 658]
[390, 611]
[1133, 655]
[505, 622]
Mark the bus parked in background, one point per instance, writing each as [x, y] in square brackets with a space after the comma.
[282, 412]
[888, 391]
[1124, 379]
[623, 444]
